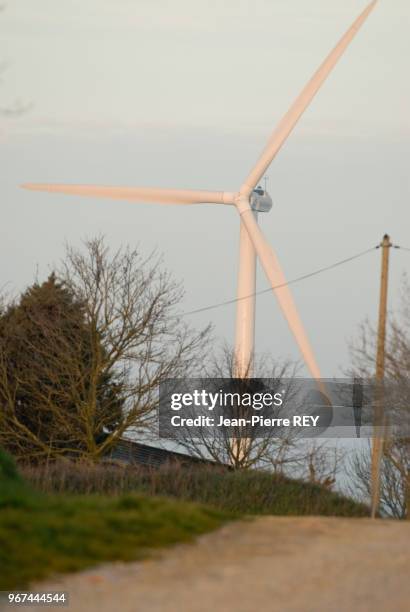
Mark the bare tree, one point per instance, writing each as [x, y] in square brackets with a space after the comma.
[392, 481]
[237, 446]
[395, 465]
[280, 450]
[135, 339]
[320, 463]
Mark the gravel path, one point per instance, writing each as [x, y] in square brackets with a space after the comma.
[308, 564]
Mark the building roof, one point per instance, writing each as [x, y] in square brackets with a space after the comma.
[137, 453]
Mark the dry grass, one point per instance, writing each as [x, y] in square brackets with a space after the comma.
[244, 492]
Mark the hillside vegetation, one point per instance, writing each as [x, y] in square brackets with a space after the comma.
[45, 534]
[243, 492]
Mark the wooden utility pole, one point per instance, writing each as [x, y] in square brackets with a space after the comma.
[379, 417]
[381, 336]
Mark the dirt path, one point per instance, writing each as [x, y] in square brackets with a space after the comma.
[274, 564]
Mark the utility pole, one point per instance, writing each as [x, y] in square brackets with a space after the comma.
[379, 417]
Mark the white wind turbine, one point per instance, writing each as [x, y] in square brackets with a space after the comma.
[249, 200]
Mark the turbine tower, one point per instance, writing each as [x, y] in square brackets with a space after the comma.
[249, 200]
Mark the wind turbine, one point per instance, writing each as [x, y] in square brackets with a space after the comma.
[248, 201]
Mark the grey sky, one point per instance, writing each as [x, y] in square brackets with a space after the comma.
[185, 94]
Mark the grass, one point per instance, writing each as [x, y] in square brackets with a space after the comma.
[241, 492]
[44, 534]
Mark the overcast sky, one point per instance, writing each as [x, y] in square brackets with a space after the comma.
[184, 93]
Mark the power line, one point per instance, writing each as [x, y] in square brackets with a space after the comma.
[402, 248]
[291, 282]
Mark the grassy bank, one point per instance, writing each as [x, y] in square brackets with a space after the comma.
[43, 534]
[242, 492]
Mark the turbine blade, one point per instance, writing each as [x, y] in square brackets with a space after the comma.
[293, 115]
[276, 277]
[138, 194]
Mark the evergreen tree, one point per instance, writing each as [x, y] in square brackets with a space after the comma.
[48, 372]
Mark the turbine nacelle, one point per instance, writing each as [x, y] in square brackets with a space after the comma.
[260, 200]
